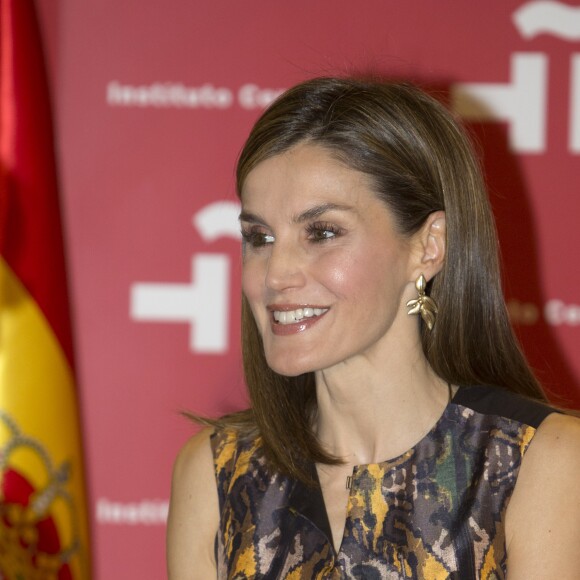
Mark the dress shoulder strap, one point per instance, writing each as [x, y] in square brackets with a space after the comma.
[498, 401]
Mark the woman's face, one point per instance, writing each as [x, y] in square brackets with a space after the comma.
[325, 272]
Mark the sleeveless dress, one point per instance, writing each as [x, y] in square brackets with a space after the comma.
[435, 512]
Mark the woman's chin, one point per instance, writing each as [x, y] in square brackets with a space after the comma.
[289, 368]
[289, 371]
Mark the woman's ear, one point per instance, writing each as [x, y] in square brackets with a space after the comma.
[430, 240]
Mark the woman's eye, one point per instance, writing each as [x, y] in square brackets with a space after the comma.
[257, 239]
[322, 232]
[320, 235]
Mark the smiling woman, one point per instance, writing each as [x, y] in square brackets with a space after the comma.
[378, 444]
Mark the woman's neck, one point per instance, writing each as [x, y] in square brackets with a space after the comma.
[373, 408]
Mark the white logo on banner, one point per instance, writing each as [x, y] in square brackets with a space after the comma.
[204, 302]
[161, 95]
[145, 512]
[522, 102]
[251, 96]
[557, 313]
[548, 17]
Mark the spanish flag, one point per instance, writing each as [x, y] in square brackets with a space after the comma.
[43, 518]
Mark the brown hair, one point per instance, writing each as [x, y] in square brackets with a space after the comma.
[419, 161]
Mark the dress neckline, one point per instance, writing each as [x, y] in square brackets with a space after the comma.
[424, 437]
[382, 466]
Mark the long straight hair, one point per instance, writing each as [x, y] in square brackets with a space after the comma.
[419, 161]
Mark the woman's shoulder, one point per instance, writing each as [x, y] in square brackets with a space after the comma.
[193, 509]
[543, 521]
[556, 444]
[193, 469]
[196, 449]
[205, 453]
[554, 455]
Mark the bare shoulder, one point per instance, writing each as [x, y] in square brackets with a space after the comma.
[559, 427]
[195, 459]
[543, 518]
[193, 512]
[555, 450]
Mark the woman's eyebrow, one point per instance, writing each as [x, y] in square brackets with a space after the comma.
[320, 209]
[309, 214]
[251, 218]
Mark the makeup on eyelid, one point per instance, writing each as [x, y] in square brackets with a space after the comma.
[316, 232]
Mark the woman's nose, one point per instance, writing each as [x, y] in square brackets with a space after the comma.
[285, 268]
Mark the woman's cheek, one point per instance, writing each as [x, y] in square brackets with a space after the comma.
[339, 270]
[252, 277]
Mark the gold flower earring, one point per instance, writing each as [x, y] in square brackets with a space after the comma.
[423, 305]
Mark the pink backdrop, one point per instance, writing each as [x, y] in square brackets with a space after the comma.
[153, 100]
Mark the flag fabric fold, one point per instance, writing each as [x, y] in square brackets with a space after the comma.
[43, 517]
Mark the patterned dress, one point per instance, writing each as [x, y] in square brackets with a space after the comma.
[435, 512]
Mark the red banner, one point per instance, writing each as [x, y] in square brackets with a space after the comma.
[154, 101]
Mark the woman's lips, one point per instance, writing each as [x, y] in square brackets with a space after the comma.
[290, 319]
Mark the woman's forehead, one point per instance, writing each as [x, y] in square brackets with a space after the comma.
[305, 171]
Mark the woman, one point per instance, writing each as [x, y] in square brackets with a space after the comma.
[373, 328]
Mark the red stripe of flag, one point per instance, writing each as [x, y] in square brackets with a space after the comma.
[30, 225]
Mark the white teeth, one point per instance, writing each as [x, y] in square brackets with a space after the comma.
[291, 316]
